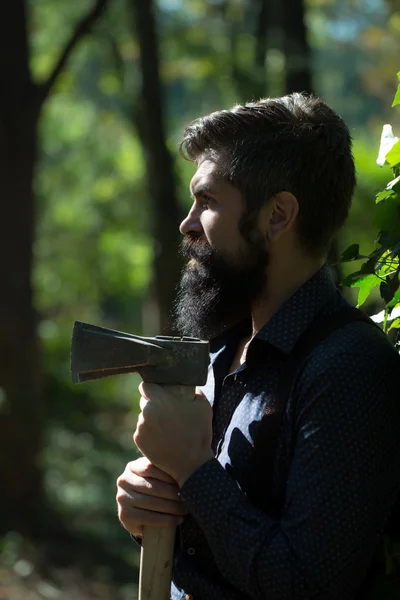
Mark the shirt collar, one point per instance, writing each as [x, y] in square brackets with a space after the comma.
[297, 313]
[225, 339]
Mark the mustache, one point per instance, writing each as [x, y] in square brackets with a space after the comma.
[196, 246]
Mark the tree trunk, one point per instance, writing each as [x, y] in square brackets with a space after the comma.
[261, 46]
[20, 406]
[298, 77]
[298, 73]
[22, 500]
[164, 211]
[20, 369]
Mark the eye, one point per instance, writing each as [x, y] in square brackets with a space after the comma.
[206, 201]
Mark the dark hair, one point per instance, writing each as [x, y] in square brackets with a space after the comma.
[295, 143]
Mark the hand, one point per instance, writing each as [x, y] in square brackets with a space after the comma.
[174, 430]
[147, 496]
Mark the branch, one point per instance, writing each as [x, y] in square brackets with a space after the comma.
[83, 28]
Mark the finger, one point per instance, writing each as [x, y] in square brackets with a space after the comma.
[142, 403]
[161, 489]
[146, 389]
[140, 388]
[144, 468]
[135, 518]
[149, 486]
[135, 499]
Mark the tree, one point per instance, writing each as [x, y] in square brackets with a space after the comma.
[148, 118]
[21, 411]
[298, 72]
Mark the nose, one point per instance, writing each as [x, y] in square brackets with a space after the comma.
[192, 221]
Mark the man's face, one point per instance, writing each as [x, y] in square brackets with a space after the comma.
[216, 210]
[224, 273]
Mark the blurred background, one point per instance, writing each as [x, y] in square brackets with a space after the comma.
[94, 98]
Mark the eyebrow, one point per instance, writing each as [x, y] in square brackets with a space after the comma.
[201, 190]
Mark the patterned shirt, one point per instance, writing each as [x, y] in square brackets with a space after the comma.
[336, 466]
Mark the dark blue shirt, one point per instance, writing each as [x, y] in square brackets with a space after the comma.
[337, 464]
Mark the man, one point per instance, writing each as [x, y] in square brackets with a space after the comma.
[273, 185]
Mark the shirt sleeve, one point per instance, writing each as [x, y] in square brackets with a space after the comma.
[341, 486]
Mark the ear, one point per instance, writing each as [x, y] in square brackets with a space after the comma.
[283, 210]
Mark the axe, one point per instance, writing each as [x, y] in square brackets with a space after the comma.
[97, 352]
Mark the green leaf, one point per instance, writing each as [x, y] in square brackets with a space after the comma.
[395, 247]
[387, 264]
[387, 216]
[385, 291]
[368, 268]
[395, 300]
[351, 253]
[388, 241]
[351, 279]
[396, 100]
[393, 156]
[395, 324]
[366, 285]
[385, 195]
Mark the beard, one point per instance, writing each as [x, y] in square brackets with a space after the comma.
[215, 291]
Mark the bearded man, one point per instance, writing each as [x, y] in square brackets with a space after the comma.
[273, 186]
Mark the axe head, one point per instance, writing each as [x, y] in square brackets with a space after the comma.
[97, 352]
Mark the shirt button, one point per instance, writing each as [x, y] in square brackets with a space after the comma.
[191, 551]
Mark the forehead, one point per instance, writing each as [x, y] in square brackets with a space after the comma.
[208, 174]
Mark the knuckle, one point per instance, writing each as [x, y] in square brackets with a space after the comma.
[147, 409]
[133, 465]
[147, 469]
[125, 515]
[142, 466]
[143, 461]
[119, 496]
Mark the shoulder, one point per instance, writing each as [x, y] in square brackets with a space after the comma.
[357, 361]
[356, 342]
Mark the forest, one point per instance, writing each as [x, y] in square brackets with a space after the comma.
[94, 100]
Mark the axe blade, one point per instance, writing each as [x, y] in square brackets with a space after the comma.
[98, 352]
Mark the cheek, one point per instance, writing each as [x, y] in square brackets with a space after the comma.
[221, 231]
[211, 227]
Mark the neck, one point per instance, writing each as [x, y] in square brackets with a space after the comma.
[282, 281]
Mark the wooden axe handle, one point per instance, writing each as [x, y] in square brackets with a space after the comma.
[156, 563]
[158, 542]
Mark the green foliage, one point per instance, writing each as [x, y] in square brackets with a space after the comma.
[382, 266]
[352, 253]
[393, 157]
[396, 100]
